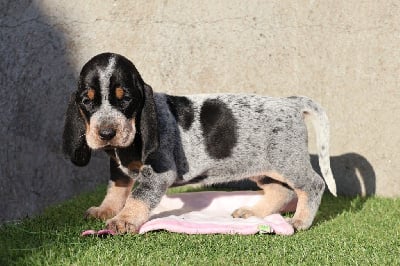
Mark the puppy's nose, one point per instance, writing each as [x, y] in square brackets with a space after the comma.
[107, 133]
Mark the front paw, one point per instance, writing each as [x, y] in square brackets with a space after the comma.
[122, 225]
[102, 213]
[243, 213]
[132, 216]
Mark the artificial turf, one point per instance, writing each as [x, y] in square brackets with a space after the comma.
[346, 231]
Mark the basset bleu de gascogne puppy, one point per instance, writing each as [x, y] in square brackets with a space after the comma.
[160, 140]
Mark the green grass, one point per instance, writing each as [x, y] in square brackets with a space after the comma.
[346, 231]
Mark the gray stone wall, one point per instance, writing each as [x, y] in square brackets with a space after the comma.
[344, 54]
[36, 78]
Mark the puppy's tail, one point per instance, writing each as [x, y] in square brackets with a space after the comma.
[321, 125]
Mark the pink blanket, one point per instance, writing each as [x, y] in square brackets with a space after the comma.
[209, 212]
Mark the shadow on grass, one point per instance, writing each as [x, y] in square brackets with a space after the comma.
[332, 207]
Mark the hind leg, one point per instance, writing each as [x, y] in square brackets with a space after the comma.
[276, 197]
[309, 196]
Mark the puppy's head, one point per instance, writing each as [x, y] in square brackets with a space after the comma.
[111, 105]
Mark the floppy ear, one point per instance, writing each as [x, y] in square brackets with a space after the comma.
[74, 140]
[148, 124]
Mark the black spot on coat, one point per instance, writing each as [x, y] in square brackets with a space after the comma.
[182, 109]
[219, 128]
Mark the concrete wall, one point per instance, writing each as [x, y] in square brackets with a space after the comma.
[344, 54]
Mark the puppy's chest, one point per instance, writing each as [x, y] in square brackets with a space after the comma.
[132, 169]
[127, 161]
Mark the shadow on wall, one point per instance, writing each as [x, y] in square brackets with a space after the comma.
[36, 80]
[353, 174]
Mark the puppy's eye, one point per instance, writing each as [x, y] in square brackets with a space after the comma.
[86, 100]
[122, 95]
[88, 97]
[126, 98]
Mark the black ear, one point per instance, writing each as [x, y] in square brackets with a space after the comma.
[74, 139]
[148, 124]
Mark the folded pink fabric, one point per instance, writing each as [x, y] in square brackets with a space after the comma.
[209, 212]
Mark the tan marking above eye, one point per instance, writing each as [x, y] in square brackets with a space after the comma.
[90, 94]
[119, 93]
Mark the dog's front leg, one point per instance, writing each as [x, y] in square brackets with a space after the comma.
[118, 190]
[144, 198]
